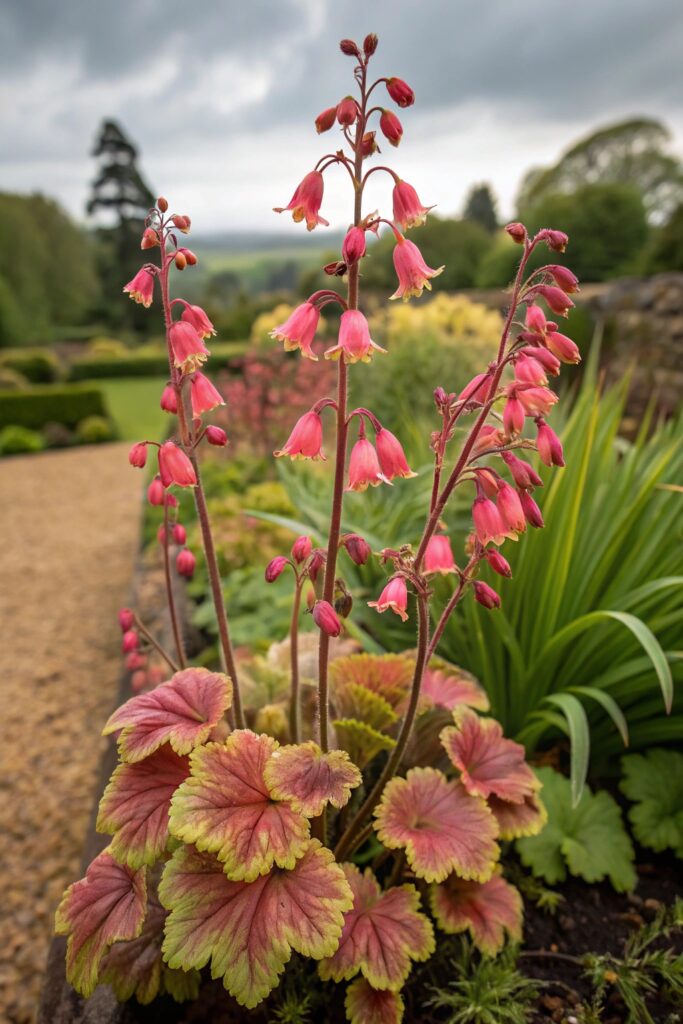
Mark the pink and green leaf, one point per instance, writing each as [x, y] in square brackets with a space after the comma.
[450, 687]
[361, 742]
[225, 807]
[366, 1005]
[489, 764]
[136, 968]
[383, 933]
[389, 675]
[488, 910]
[105, 907]
[135, 806]
[439, 824]
[247, 931]
[355, 701]
[308, 779]
[516, 821]
[182, 712]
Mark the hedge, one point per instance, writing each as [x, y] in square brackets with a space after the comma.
[146, 364]
[38, 365]
[34, 407]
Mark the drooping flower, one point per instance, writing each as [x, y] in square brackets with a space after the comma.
[563, 347]
[565, 278]
[394, 597]
[529, 370]
[357, 548]
[488, 523]
[169, 399]
[486, 595]
[439, 555]
[175, 467]
[185, 563]
[196, 316]
[478, 389]
[216, 436]
[391, 127]
[413, 273]
[149, 239]
[155, 492]
[392, 458]
[137, 456]
[537, 401]
[325, 120]
[364, 467]
[408, 210]
[550, 363]
[524, 475]
[549, 445]
[179, 533]
[130, 641]
[535, 320]
[497, 562]
[298, 330]
[400, 92]
[516, 231]
[305, 440]
[326, 619]
[558, 301]
[141, 288]
[204, 395]
[513, 414]
[189, 350]
[306, 201]
[353, 246]
[510, 507]
[354, 343]
[126, 619]
[347, 111]
[532, 512]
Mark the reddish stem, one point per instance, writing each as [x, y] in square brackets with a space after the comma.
[294, 709]
[170, 597]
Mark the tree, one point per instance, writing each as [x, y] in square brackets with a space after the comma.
[480, 207]
[666, 252]
[120, 191]
[630, 152]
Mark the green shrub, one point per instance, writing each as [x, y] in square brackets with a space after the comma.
[146, 364]
[95, 430]
[37, 365]
[10, 380]
[67, 404]
[15, 440]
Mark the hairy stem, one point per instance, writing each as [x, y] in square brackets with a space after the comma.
[170, 597]
[294, 708]
[156, 645]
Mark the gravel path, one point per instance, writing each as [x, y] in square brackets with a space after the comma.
[69, 535]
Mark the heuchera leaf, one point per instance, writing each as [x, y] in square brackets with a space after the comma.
[366, 1005]
[106, 906]
[389, 675]
[518, 820]
[248, 930]
[136, 968]
[225, 808]
[488, 910]
[489, 764]
[135, 806]
[655, 783]
[182, 712]
[451, 687]
[383, 933]
[308, 779]
[441, 827]
[589, 839]
[360, 740]
[355, 701]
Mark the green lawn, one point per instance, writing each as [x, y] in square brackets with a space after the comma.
[134, 405]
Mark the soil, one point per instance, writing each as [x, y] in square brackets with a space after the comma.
[70, 533]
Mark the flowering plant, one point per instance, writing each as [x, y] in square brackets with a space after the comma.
[235, 827]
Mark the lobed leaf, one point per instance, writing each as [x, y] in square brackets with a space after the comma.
[449, 687]
[247, 931]
[488, 910]
[383, 932]
[361, 741]
[366, 1005]
[135, 805]
[225, 807]
[355, 701]
[182, 712]
[389, 675]
[489, 764]
[518, 820]
[441, 827]
[106, 906]
[654, 782]
[308, 779]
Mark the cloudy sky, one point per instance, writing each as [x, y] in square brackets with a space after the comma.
[220, 96]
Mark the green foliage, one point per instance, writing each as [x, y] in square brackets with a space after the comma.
[145, 363]
[645, 970]
[37, 239]
[666, 250]
[68, 404]
[484, 990]
[17, 440]
[95, 430]
[587, 838]
[654, 782]
[458, 245]
[629, 153]
[480, 207]
[37, 365]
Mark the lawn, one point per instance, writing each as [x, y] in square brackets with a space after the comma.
[134, 406]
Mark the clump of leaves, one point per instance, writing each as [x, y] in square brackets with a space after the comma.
[587, 840]
[484, 990]
[654, 782]
[647, 969]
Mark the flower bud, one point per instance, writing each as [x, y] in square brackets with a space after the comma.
[535, 319]
[510, 507]
[175, 466]
[347, 111]
[182, 223]
[162, 204]
[353, 247]
[556, 240]
[370, 44]
[318, 559]
[149, 239]
[564, 277]
[349, 48]
[216, 436]
[275, 567]
[478, 389]
[301, 549]
[513, 416]
[357, 548]
[326, 619]
[528, 370]
[130, 641]
[155, 492]
[549, 446]
[563, 347]
[325, 120]
[517, 232]
[180, 261]
[368, 145]
[556, 299]
[169, 399]
[497, 562]
[550, 363]
[524, 475]
[532, 512]
[137, 456]
[486, 595]
[189, 256]
[400, 92]
[391, 127]
[441, 398]
[135, 660]
[185, 563]
[179, 533]
[126, 619]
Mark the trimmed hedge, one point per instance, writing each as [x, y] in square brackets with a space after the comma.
[67, 404]
[148, 364]
[38, 365]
